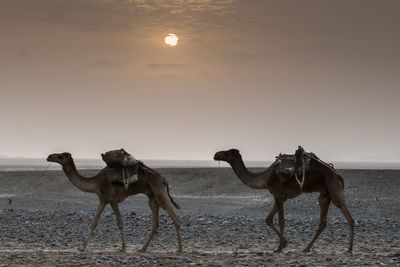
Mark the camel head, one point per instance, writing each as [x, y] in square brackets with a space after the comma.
[61, 158]
[228, 155]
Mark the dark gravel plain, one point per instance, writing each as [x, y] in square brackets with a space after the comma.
[223, 223]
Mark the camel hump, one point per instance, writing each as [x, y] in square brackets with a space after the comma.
[119, 158]
[121, 167]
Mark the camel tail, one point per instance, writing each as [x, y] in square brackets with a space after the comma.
[170, 197]
[341, 180]
[172, 200]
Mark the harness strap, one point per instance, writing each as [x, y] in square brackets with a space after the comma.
[329, 165]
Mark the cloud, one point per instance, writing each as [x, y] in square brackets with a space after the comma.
[128, 15]
[166, 66]
[103, 63]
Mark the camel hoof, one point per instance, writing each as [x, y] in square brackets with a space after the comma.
[306, 250]
[179, 251]
[81, 248]
[122, 250]
[349, 253]
[285, 244]
[279, 250]
[142, 250]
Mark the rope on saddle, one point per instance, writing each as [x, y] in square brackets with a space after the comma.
[301, 184]
[300, 155]
[125, 178]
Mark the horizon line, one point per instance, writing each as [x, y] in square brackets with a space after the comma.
[159, 159]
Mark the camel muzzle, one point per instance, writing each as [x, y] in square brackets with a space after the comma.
[51, 158]
[217, 156]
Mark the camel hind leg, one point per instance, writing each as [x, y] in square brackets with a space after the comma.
[177, 224]
[155, 222]
[165, 203]
[161, 196]
[339, 201]
[324, 202]
[281, 219]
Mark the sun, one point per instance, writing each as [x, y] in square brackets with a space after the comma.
[171, 39]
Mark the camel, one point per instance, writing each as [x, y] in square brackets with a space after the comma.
[150, 183]
[319, 178]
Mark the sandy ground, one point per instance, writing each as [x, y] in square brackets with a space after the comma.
[223, 223]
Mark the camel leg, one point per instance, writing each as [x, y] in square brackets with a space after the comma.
[162, 198]
[338, 200]
[120, 224]
[281, 219]
[324, 201]
[270, 222]
[343, 207]
[166, 204]
[351, 223]
[177, 224]
[155, 220]
[93, 225]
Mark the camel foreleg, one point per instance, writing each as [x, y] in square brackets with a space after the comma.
[270, 222]
[93, 225]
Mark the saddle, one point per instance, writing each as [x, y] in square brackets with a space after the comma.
[121, 167]
[295, 165]
[298, 164]
[286, 164]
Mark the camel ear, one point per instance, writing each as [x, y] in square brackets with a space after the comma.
[68, 154]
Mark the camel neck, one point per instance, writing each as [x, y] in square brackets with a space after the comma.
[250, 179]
[83, 183]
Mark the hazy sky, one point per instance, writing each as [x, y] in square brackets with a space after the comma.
[262, 76]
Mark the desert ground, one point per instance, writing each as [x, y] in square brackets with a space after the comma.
[223, 223]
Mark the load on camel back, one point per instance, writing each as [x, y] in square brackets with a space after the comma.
[121, 167]
[296, 165]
